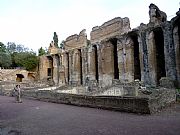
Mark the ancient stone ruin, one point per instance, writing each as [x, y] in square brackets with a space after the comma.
[134, 70]
[117, 53]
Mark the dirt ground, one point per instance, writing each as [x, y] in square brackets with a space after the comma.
[41, 118]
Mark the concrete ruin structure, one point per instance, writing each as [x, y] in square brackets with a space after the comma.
[115, 53]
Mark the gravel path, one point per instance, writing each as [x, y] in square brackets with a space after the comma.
[41, 118]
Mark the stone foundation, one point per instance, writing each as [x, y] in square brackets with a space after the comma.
[145, 104]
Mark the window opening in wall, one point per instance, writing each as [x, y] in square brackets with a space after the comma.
[160, 59]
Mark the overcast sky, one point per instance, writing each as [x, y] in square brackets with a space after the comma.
[32, 22]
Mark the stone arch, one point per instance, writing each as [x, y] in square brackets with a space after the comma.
[19, 77]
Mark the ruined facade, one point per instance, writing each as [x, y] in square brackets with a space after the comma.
[117, 53]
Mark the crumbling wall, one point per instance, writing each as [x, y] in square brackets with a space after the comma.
[114, 27]
[44, 64]
[75, 41]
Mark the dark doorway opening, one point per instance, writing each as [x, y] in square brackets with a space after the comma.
[137, 68]
[50, 69]
[116, 69]
[81, 76]
[160, 59]
[49, 72]
[19, 77]
[96, 62]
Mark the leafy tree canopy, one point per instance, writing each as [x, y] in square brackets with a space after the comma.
[12, 55]
[62, 44]
[2, 47]
[5, 59]
[27, 60]
[12, 47]
[41, 51]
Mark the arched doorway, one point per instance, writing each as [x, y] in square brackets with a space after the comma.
[19, 77]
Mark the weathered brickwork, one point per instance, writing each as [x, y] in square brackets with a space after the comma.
[76, 41]
[114, 27]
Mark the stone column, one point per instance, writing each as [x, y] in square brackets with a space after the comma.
[169, 52]
[84, 64]
[144, 58]
[55, 69]
[177, 51]
[121, 59]
[70, 66]
[129, 56]
[91, 67]
[65, 65]
[76, 67]
[107, 63]
[152, 58]
[99, 49]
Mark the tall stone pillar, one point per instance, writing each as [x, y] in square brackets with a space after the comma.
[107, 62]
[176, 38]
[169, 52]
[65, 65]
[129, 56]
[144, 57]
[76, 70]
[99, 50]
[70, 67]
[91, 63]
[84, 64]
[55, 69]
[126, 59]
[152, 58]
[121, 59]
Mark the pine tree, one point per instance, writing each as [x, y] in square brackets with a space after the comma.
[55, 39]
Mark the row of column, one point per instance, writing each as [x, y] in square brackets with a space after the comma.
[147, 56]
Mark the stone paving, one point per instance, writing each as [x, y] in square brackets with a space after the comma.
[42, 118]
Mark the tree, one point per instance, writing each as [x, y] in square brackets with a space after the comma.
[55, 39]
[41, 51]
[2, 47]
[11, 47]
[5, 59]
[27, 60]
[62, 44]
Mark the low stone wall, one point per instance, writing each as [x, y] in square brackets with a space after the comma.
[127, 104]
[160, 98]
